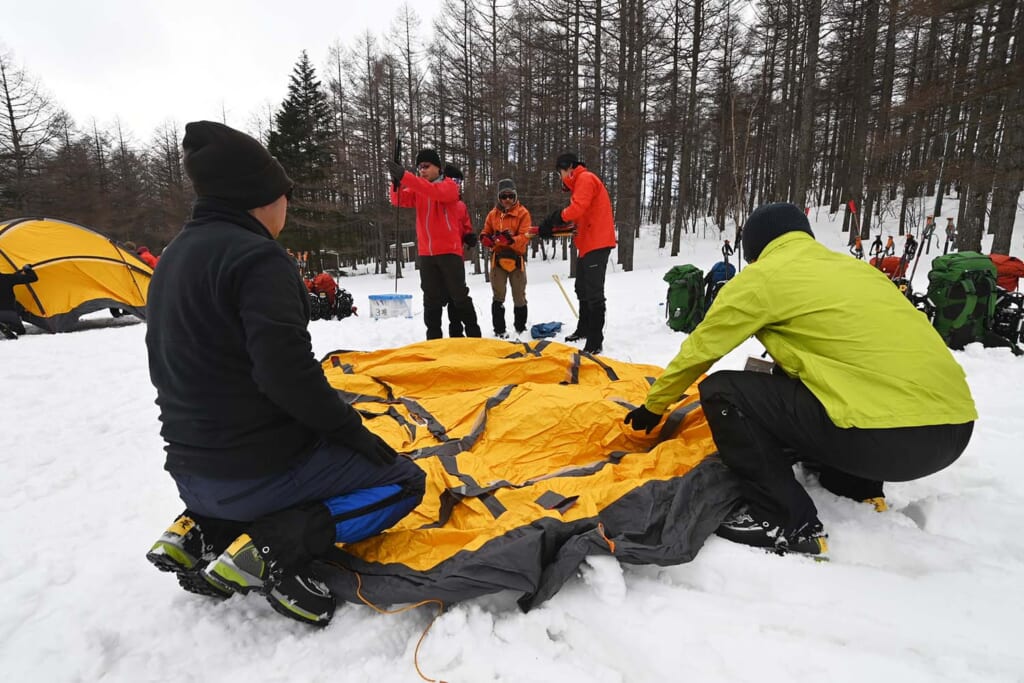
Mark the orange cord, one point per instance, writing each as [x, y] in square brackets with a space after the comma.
[379, 610]
[610, 542]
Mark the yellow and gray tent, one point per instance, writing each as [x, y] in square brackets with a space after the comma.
[529, 470]
[80, 271]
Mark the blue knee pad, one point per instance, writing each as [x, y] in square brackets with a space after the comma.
[363, 513]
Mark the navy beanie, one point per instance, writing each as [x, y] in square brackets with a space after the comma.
[229, 165]
[770, 221]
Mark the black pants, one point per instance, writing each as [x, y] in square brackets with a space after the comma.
[590, 276]
[443, 279]
[12, 320]
[762, 423]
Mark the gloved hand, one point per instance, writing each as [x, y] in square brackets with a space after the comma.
[547, 226]
[487, 240]
[469, 239]
[505, 237]
[641, 418]
[397, 171]
[372, 447]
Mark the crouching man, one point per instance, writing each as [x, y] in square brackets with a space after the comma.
[272, 465]
[863, 388]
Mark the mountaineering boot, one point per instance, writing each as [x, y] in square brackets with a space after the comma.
[595, 331]
[298, 595]
[811, 540]
[432, 321]
[498, 319]
[303, 597]
[467, 313]
[182, 550]
[742, 527]
[519, 314]
[582, 325]
[241, 567]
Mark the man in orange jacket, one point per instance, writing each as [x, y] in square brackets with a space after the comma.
[591, 211]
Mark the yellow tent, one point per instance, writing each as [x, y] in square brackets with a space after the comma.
[529, 469]
[79, 270]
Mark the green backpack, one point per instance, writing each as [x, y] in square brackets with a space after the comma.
[962, 286]
[685, 303]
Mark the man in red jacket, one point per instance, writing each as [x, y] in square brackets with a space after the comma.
[591, 211]
[438, 238]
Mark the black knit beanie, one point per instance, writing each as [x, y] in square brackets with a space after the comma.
[768, 222]
[454, 172]
[567, 160]
[506, 185]
[430, 156]
[229, 165]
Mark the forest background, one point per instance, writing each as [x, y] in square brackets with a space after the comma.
[685, 109]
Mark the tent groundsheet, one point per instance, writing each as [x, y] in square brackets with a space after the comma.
[529, 470]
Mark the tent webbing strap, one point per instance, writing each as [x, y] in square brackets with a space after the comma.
[675, 420]
[451, 446]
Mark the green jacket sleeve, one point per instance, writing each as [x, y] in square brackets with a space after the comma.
[740, 310]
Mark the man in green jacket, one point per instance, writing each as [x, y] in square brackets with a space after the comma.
[862, 388]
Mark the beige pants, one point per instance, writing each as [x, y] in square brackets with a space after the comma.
[517, 278]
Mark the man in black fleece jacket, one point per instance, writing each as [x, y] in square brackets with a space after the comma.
[265, 454]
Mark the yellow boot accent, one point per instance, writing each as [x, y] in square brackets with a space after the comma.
[238, 544]
[879, 503]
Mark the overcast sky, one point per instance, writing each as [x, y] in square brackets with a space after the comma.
[148, 62]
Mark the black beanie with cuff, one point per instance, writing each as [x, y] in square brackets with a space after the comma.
[769, 221]
[229, 165]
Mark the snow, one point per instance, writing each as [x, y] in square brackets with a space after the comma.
[928, 591]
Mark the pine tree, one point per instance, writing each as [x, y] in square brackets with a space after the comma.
[301, 142]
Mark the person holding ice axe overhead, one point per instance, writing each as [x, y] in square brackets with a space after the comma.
[591, 211]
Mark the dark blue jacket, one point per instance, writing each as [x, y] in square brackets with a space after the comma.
[240, 392]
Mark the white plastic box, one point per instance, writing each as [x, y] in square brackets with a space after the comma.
[390, 306]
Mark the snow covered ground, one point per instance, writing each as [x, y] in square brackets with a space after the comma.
[929, 591]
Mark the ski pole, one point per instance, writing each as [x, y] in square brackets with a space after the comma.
[876, 251]
[929, 229]
[398, 242]
[558, 281]
[909, 249]
[852, 205]
[857, 249]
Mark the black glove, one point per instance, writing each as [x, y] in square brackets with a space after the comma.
[546, 227]
[397, 171]
[469, 239]
[372, 447]
[641, 418]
